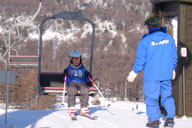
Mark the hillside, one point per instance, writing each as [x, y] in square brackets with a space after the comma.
[119, 27]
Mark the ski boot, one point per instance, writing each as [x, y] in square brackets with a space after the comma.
[71, 111]
[169, 123]
[84, 111]
[153, 124]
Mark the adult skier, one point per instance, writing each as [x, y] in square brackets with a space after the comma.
[77, 79]
[157, 56]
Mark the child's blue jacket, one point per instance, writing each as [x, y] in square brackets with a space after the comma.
[77, 74]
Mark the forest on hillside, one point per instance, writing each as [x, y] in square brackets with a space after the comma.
[119, 28]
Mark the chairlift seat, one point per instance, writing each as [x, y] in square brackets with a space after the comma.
[53, 83]
[23, 61]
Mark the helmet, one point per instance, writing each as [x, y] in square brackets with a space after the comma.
[153, 20]
[75, 53]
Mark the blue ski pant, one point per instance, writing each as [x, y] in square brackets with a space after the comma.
[152, 91]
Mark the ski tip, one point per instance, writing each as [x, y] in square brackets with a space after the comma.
[90, 117]
[94, 118]
[73, 118]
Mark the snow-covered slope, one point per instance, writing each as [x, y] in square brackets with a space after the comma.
[118, 115]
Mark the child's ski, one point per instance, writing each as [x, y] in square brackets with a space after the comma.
[73, 117]
[89, 116]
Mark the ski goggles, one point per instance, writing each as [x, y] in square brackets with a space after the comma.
[75, 58]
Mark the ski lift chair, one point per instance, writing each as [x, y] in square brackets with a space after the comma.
[53, 82]
[22, 60]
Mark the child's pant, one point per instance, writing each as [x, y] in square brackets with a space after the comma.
[73, 90]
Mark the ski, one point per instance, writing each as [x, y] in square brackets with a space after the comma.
[73, 117]
[89, 116]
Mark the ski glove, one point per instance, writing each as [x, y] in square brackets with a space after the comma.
[88, 74]
[66, 72]
[174, 75]
[132, 75]
[89, 84]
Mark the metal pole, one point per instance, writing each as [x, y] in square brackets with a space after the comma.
[92, 43]
[125, 90]
[64, 86]
[7, 84]
[184, 87]
[7, 96]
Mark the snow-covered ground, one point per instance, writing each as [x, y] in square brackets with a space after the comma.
[118, 115]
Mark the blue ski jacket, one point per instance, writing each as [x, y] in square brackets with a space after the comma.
[77, 74]
[156, 55]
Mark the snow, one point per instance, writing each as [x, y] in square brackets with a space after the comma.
[87, 28]
[137, 28]
[101, 3]
[175, 28]
[120, 114]
[1, 29]
[51, 34]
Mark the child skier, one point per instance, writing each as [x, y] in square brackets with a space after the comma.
[77, 79]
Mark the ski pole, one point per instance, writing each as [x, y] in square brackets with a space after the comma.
[97, 89]
[100, 94]
[64, 86]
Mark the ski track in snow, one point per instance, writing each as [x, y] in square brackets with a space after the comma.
[118, 115]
